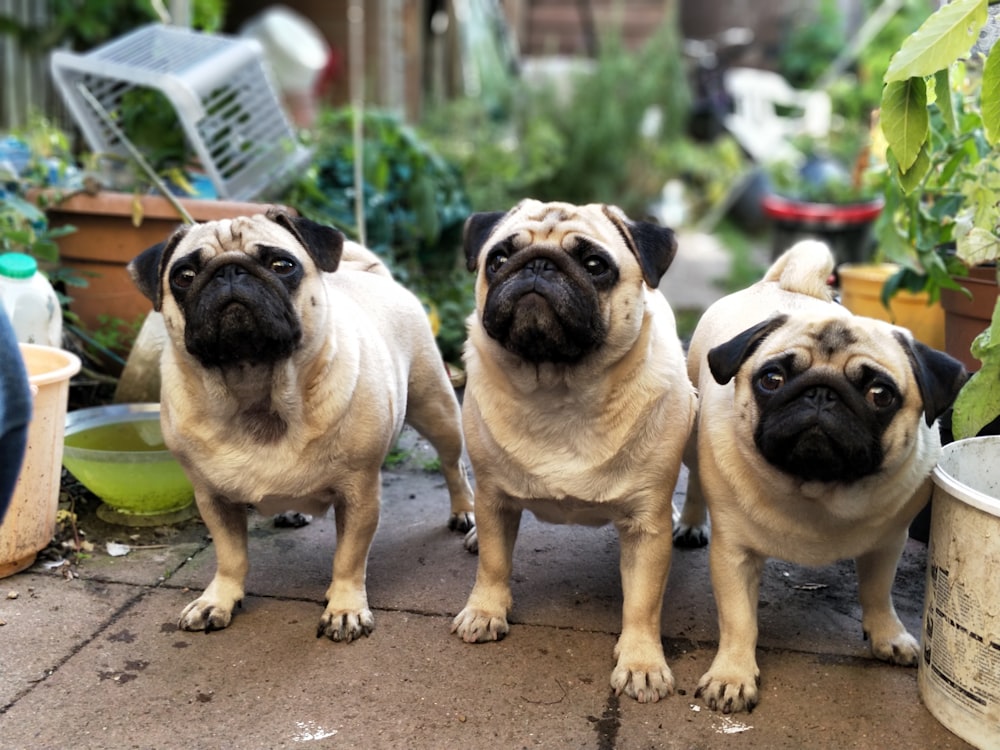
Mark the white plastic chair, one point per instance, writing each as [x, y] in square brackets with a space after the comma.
[768, 112]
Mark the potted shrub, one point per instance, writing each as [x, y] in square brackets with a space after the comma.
[822, 198]
[941, 200]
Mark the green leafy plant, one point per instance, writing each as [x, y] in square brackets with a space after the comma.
[24, 227]
[602, 122]
[82, 24]
[941, 120]
[595, 140]
[414, 208]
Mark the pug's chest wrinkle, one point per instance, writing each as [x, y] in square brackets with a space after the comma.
[570, 454]
[272, 473]
[262, 423]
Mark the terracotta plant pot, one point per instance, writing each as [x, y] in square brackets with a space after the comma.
[861, 293]
[106, 239]
[966, 318]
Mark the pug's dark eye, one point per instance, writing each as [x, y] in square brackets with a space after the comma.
[282, 266]
[771, 380]
[595, 265]
[496, 260]
[183, 277]
[880, 396]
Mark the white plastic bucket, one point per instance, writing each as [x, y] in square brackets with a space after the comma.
[959, 672]
[296, 49]
[31, 517]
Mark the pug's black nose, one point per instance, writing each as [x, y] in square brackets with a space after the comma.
[821, 397]
[540, 266]
[230, 272]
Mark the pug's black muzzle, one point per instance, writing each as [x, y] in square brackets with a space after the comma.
[236, 312]
[821, 428]
[543, 307]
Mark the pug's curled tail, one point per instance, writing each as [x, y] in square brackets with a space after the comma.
[804, 268]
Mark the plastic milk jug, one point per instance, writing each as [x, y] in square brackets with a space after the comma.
[30, 301]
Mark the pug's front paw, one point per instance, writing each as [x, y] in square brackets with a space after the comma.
[647, 683]
[641, 671]
[345, 626]
[205, 614]
[729, 691]
[479, 626]
[897, 648]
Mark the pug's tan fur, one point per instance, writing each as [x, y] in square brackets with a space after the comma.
[594, 440]
[758, 510]
[307, 430]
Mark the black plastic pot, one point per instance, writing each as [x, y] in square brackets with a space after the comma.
[845, 227]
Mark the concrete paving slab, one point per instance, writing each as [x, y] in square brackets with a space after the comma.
[45, 619]
[263, 683]
[697, 273]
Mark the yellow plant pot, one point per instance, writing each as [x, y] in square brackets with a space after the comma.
[861, 293]
[31, 517]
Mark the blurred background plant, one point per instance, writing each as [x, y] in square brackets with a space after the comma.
[414, 209]
[36, 156]
[589, 138]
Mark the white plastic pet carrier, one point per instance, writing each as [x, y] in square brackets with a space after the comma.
[221, 92]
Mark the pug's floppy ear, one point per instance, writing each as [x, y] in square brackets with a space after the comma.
[725, 360]
[324, 244]
[146, 269]
[939, 376]
[478, 228]
[653, 245]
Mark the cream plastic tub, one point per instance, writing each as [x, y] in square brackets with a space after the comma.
[31, 517]
[959, 672]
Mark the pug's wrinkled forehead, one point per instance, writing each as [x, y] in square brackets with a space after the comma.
[244, 234]
[532, 222]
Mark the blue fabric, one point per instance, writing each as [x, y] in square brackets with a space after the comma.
[15, 411]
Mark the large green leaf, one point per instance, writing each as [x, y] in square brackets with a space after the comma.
[912, 178]
[990, 98]
[904, 119]
[942, 97]
[948, 34]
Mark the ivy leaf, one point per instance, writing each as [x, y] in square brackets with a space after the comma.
[905, 121]
[948, 34]
[977, 246]
[990, 99]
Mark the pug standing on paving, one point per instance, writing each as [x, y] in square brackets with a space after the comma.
[292, 361]
[577, 407]
[815, 441]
